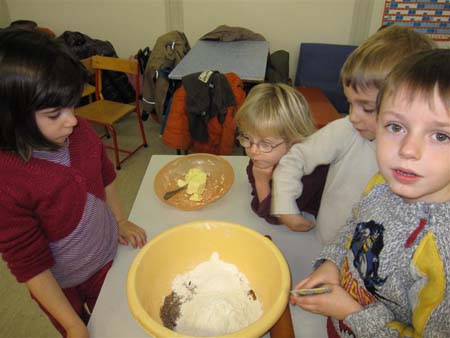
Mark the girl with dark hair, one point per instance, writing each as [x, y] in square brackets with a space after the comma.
[60, 215]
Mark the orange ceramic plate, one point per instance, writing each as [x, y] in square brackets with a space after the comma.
[219, 181]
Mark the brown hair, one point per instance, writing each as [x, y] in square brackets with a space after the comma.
[420, 75]
[36, 72]
[275, 110]
[370, 63]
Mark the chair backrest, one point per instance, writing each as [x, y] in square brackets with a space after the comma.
[87, 63]
[115, 64]
[99, 63]
[319, 65]
[88, 89]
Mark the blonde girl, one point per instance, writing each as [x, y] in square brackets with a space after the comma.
[272, 119]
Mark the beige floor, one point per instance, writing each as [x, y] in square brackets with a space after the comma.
[19, 315]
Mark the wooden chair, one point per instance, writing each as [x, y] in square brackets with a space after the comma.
[88, 89]
[107, 113]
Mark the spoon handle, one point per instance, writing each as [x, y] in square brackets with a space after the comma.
[169, 194]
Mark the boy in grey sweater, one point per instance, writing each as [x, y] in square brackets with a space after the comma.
[388, 271]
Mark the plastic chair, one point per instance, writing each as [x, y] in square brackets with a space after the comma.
[319, 65]
[107, 113]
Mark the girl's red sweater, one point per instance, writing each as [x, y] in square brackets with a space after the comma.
[41, 201]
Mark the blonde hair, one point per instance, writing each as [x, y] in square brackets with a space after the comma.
[275, 110]
[420, 75]
[369, 64]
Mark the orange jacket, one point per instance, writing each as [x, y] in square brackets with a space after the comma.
[220, 136]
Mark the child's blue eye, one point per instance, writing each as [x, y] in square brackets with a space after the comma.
[441, 137]
[394, 128]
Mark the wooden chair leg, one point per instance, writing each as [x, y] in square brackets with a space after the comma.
[112, 132]
[141, 127]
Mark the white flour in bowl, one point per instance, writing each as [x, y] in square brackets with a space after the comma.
[214, 299]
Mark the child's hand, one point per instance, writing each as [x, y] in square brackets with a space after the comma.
[326, 273]
[337, 304]
[296, 222]
[131, 233]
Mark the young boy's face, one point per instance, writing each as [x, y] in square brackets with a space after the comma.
[413, 147]
[265, 160]
[362, 112]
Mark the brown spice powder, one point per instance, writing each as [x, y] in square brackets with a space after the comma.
[170, 311]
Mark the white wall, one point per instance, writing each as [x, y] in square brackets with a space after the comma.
[284, 23]
[4, 14]
[133, 24]
[127, 24]
[377, 16]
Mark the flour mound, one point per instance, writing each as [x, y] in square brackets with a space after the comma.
[216, 299]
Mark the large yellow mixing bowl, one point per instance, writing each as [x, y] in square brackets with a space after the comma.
[183, 247]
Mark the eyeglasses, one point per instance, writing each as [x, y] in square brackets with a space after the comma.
[262, 146]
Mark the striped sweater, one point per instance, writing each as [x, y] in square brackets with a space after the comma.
[42, 203]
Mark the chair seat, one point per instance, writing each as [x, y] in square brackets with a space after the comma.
[104, 111]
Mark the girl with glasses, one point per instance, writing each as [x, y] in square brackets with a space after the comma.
[272, 119]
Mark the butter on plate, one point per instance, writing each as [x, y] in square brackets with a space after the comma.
[196, 181]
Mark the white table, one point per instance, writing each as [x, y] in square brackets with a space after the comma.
[112, 317]
[246, 58]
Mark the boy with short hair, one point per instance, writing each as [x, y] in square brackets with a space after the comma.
[347, 144]
[389, 269]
